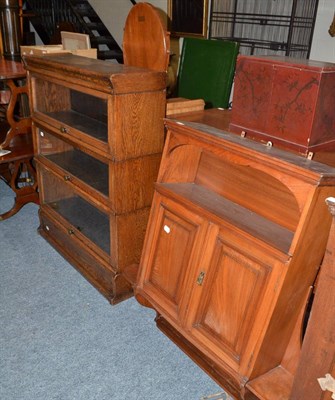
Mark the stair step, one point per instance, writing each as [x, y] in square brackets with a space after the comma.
[87, 14]
[96, 26]
[84, 8]
[92, 19]
[110, 54]
[102, 40]
[114, 53]
[75, 2]
[84, 4]
[89, 22]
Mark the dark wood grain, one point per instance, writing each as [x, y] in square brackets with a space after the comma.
[16, 167]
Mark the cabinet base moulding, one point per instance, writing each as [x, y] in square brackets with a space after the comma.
[276, 384]
[230, 385]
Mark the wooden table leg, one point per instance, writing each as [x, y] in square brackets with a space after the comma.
[21, 177]
[17, 124]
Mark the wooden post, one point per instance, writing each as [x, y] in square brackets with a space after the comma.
[10, 29]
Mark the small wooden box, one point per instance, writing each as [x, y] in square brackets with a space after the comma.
[286, 101]
[56, 49]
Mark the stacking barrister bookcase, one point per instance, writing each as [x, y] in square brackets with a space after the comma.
[98, 137]
[236, 234]
[285, 101]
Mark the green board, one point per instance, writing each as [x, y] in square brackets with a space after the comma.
[206, 70]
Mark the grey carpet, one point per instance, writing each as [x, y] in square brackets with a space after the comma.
[60, 338]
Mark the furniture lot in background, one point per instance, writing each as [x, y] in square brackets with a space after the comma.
[16, 148]
[206, 69]
[284, 102]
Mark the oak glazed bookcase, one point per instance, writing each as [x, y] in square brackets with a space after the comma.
[98, 136]
[236, 235]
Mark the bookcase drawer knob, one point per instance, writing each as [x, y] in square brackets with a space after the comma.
[63, 129]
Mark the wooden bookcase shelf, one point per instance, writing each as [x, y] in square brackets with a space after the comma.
[98, 136]
[236, 233]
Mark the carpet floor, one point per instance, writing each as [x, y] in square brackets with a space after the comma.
[60, 339]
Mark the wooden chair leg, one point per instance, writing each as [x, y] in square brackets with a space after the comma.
[25, 188]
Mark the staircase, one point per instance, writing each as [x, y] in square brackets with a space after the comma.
[48, 16]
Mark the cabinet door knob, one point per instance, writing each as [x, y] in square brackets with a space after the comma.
[201, 278]
[63, 129]
[70, 231]
[67, 177]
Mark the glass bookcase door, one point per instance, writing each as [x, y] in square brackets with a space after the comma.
[71, 110]
[74, 161]
[82, 217]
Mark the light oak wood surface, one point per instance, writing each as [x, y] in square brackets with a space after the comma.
[236, 234]
[98, 136]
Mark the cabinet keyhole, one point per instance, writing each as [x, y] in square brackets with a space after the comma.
[201, 278]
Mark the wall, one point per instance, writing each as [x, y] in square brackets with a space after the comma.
[114, 13]
[323, 46]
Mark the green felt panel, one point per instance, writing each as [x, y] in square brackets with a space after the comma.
[207, 70]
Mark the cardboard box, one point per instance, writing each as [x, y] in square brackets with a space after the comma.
[285, 101]
[56, 49]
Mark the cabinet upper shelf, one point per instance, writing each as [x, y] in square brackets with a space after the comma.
[260, 189]
[230, 213]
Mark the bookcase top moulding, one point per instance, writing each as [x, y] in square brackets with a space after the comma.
[97, 74]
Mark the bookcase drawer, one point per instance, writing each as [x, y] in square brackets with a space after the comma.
[98, 272]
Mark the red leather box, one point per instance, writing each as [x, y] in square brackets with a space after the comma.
[288, 102]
